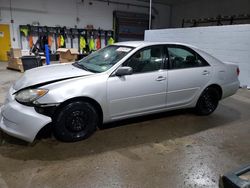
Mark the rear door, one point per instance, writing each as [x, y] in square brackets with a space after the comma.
[188, 73]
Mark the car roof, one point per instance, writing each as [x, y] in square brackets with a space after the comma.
[136, 44]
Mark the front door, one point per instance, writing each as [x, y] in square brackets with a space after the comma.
[142, 91]
[4, 41]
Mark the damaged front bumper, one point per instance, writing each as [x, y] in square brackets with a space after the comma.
[21, 121]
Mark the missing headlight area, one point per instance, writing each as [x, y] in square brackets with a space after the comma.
[46, 110]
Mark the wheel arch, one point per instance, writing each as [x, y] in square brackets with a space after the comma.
[96, 105]
[46, 130]
[218, 88]
[201, 108]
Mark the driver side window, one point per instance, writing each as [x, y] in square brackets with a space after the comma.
[146, 60]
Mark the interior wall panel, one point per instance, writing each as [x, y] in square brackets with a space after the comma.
[227, 43]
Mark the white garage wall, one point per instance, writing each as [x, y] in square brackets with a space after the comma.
[64, 13]
[207, 8]
[227, 43]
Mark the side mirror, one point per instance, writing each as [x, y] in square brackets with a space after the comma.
[122, 71]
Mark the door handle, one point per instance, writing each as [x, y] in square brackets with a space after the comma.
[205, 72]
[160, 78]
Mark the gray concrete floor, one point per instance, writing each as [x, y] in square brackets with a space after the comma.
[173, 149]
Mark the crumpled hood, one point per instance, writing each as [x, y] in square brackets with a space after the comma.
[47, 74]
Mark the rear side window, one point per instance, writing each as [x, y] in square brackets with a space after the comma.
[181, 58]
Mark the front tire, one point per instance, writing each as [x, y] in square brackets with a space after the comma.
[208, 101]
[75, 121]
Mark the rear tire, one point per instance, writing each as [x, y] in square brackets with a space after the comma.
[208, 101]
[75, 121]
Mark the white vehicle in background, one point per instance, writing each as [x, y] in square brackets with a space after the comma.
[120, 81]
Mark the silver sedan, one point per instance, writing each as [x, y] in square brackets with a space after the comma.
[120, 81]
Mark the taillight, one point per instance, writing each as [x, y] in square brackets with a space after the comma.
[238, 71]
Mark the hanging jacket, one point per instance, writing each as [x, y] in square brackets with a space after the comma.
[30, 41]
[24, 31]
[111, 41]
[50, 41]
[62, 41]
[91, 44]
[103, 41]
[82, 43]
[98, 43]
[58, 41]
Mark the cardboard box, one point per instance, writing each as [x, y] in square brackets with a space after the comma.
[25, 52]
[66, 60]
[8, 56]
[15, 53]
[67, 55]
[16, 64]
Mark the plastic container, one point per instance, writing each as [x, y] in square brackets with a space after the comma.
[30, 62]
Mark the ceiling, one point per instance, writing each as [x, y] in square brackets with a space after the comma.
[166, 2]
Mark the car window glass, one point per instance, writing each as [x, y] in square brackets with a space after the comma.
[182, 58]
[146, 60]
[104, 58]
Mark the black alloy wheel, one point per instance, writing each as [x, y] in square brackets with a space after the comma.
[75, 121]
[208, 101]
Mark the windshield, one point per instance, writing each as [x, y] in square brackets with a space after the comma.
[103, 59]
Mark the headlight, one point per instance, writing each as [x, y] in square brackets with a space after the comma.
[30, 95]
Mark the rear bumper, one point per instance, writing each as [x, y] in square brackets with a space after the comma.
[230, 89]
[21, 121]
